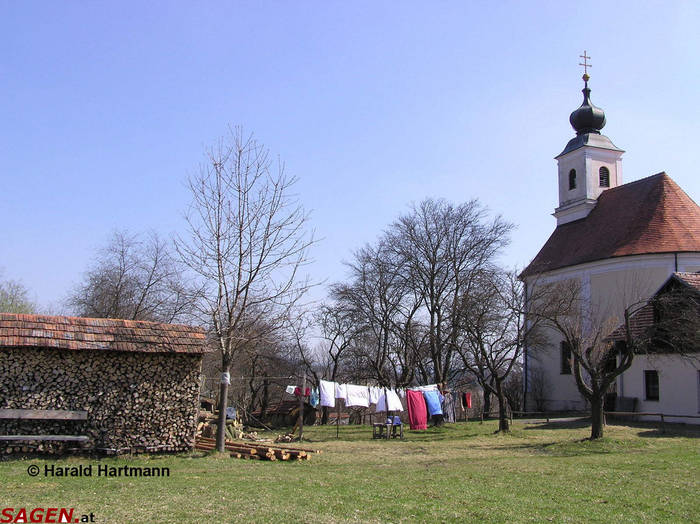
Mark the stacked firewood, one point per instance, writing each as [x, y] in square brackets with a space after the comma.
[208, 423]
[256, 450]
[135, 401]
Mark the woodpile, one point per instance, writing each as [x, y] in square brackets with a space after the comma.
[289, 437]
[208, 423]
[256, 450]
[136, 402]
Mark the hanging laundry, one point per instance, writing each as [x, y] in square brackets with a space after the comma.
[389, 402]
[381, 401]
[341, 391]
[290, 390]
[374, 393]
[434, 402]
[314, 398]
[417, 414]
[393, 401]
[429, 387]
[357, 396]
[327, 393]
[297, 391]
[468, 400]
[448, 407]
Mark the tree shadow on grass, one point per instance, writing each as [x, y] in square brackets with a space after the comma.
[654, 429]
[568, 423]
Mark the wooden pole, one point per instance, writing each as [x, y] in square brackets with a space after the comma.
[301, 409]
[337, 421]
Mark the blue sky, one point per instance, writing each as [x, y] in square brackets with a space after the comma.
[106, 107]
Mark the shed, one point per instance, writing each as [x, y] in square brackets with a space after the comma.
[138, 381]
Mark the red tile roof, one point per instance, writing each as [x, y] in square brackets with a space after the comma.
[643, 318]
[651, 215]
[102, 334]
[690, 279]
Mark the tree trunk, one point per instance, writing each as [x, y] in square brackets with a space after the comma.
[487, 403]
[597, 416]
[265, 398]
[503, 422]
[221, 427]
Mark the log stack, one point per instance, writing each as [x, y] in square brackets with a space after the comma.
[138, 381]
[257, 450]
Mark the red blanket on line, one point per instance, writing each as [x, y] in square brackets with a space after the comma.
[417, 412]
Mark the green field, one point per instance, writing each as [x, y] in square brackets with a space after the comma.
[459, 473]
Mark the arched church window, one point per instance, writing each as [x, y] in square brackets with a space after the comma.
[572, 179]
[604, 176]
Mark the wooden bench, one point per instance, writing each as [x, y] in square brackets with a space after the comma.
[43, 414]
[387, 431]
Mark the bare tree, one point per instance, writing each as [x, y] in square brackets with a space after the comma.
[444, 247]
[133, 278]
[246, 245]
[383, 310]
[540, 388]
[596, 359]
[513, 387]
[338, 331]
[494, 334]
[14, 298]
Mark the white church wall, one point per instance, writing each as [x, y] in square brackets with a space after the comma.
[611, 284]
[559, 390]
[679, 386]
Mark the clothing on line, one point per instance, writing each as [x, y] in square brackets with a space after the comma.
[433, 400]
[314, 398]
[341, 391]
[448, 407]
[417, 414]
[357, 396]
[327, 393]
[390, 401]
[290, 390]
[429, 387]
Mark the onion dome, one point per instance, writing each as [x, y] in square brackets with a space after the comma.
[587, 118]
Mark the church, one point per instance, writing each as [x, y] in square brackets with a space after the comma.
[620, 243]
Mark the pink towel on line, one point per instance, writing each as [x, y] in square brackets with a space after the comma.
[417, 412]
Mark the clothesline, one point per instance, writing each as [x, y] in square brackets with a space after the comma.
[362, 396]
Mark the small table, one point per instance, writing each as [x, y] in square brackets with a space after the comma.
[387, 431]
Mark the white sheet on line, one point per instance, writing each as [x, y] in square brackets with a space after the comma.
[357, 396]
[327, 390]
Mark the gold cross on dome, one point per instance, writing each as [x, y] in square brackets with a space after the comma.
[585, 64]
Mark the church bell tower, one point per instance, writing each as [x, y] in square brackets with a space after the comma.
[589, 164]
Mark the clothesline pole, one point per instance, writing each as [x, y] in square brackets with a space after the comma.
[301, 408]
[337, 421]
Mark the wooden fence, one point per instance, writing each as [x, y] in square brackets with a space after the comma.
[548, 415]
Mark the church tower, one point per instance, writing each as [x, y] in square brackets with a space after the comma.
[589, 164]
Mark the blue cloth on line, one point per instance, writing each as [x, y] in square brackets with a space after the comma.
[432, 400]
[314, 398]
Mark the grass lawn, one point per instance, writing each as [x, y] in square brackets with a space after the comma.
[458, 473]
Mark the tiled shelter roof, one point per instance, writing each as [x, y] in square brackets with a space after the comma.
[101, 334]
[644, 317]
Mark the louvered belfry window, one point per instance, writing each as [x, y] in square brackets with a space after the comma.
[604, 175]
